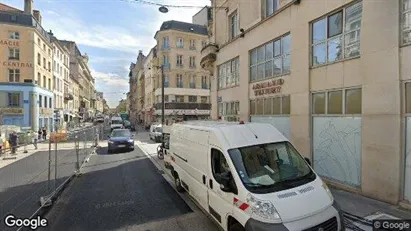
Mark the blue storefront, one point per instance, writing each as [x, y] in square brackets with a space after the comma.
[26, 105]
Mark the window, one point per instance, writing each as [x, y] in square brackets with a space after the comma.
[14, 35]
[192, 99]
[337, 102]
[44, 63]
[166, 43]
[44, 81]
[50, 103]
[204, 99]
[45, 101]
[44, 47]
[271, 7]
[179, 80]
[204, 84]
[193, 82]
[192, 44]
[180, 43]
[38, 41]
[192, 61]
[49, 83]
[49, 66]
[180, 98]
[229, 111]
[54, 65]
[271, 59]
[219, 164]
[337, 36]
[234, 25]
[179, 60]
[14, 53]
[406, 22]
[14, 75]
[228, 74]
[49, 51]
[40, 101]
[38, 59]
[14, 99]
[166, 81]
[54, 82]
[166, 98]
[39, 78]
[278, 105]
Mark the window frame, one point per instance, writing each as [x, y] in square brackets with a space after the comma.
[233, 25]
[14, 74]
[341, 36]
[180, 43]
[179, 79]
[14, 35]
[10, 99]
[233, 78]
[225, 110]
[204, 84]
[272, 114]
[190, 97]
[14, 53]
[192, 44]
[343, 103]
[166, 42]
[193, 80]
[179, 58]
[402, 26]
[266, 14]
[281, 56]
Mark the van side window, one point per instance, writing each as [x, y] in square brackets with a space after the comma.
[218, 164]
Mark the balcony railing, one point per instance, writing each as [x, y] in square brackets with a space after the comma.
[68, 96]
[187, 106]
[165, 48]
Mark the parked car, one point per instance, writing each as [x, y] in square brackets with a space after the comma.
[156, 132]
[250, 177]
[128, 125]
[120, 139]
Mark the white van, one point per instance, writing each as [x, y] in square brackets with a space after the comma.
[156, 132]
[116, 122]
[250, 177]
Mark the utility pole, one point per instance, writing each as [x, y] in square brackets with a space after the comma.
[162, 96]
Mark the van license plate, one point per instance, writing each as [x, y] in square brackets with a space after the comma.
[122, 146]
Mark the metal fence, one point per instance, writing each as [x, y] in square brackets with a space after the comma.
[33, 175]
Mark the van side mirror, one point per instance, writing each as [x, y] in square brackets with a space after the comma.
[307, 160]
[225, 179]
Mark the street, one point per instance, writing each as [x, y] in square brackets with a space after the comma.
[124, 191]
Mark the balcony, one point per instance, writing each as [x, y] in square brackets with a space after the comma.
[68, 96]
[184, 106]
[209, 56]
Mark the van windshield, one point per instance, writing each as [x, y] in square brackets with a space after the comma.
[271, 167]
[158, 129]
[116, 122]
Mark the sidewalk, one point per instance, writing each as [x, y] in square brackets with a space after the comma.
[351, 203]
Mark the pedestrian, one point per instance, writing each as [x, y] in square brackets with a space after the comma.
[40, 134]
[35, 139]
[13, 142]
[44, 132]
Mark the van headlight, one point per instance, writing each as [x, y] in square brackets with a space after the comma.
[324, 185]
[263, 209]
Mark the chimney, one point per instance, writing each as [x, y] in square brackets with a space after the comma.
[37, 16]
[28, 6]
[140, 52]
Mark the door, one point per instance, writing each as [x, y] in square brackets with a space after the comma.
[219, 203]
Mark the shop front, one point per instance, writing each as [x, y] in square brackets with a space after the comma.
[269, 105]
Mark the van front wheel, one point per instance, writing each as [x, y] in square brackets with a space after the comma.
[177, 182]
[236, 227]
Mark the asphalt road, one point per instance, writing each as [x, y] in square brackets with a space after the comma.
[116, 191]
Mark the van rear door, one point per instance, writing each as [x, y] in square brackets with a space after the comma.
[219, 203]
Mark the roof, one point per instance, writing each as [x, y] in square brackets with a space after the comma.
[183, 27]
[234, 134]
[4, 7]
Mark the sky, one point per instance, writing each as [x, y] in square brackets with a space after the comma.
[111, 32]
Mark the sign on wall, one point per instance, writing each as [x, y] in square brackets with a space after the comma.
[11, 111]
[268, 87]
[9, 43]
[17, 64]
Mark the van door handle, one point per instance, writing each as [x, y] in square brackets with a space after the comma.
[211, 183]
[204, 179]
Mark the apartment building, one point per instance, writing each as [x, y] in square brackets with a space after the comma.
[26, 93]
[332, 76]
[61, 74]
[149, 69]
[136, 89]
[186, 84]
[81, 75]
